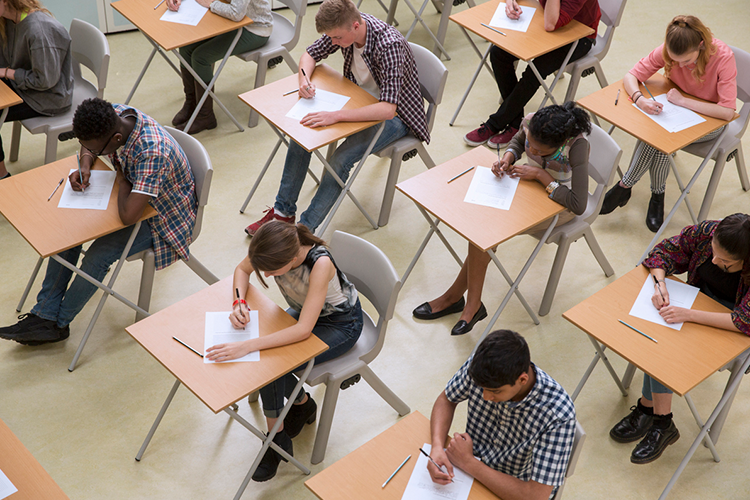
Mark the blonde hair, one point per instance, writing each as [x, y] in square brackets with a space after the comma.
[334, 14]
[685, 34]
[27, 6]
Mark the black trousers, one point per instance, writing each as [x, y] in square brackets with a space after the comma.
[18, 112]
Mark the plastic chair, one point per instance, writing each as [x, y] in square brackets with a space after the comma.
[731, 144]
[574, 454]
[89, 47]
[603, 160]
[611, 16]
[283, 39]
[432, 78]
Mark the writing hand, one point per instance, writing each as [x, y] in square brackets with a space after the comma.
[227, 352]
[674, 314]
[499, 168]
[649, 105]
[240, 316]
[512, 9]
[656, 298]
[319, 119]
[75, 180]
[173, 5]
[307, 91]
[439, 476]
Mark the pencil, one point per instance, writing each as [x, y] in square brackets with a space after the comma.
[290, 92]
[637, 330]
[493, 29]
[616, 99]
[56, 188]
[459, 175]
[183, 343]
[647, 90]
[80, 177]
[395, 471]
[159, 4]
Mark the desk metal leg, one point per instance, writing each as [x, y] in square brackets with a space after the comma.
[597, 356]
[264, 169]
[433, 230]
[156, 423]
[735, 372]
[707, 440]
[473, 78]
[148, 63]
[557, 77]
[418, 19]
[677, 178]
[29, 284]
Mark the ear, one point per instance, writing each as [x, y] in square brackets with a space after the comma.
[523, 379]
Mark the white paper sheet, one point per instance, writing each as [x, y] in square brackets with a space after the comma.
[673, 118]
[323, 101]
[680, 295]
[190, 12]
[95, 197]
[421, 486]
[219, 330]
[491, 191]
[6, 487]
[502, 21]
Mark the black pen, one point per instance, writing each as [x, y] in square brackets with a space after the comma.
[56, 188]
[656, 281]
[306, 79]
[183, 343]
[616, 99]
[433, 462]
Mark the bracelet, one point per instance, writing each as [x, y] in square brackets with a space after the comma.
[552, 186]
[5, 75]
[634, 93]
[240, 301]
[636, 99]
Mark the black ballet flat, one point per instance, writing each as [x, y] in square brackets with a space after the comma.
[424, 311]
[463, 327]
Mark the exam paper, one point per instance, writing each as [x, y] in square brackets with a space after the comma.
[219, 330]
[491, 191]
[502, 21]
[190, 12]
[323, 101]
[421, 486]
[95, 197]
[6, 487]
[680, 295]
[673, 118]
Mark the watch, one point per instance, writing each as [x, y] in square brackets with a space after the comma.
[552, 186]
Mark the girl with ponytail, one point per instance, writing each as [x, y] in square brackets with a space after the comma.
[558, 154]
[322, 300]
[716, 257]
[701, 66]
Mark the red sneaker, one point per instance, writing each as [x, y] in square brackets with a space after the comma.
[270, 215]
[502, 139]
[478, 136]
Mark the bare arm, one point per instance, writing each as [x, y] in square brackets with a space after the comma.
[440, 422]
[642, 101]
[551, 14]
[705, 108]
[129, 205]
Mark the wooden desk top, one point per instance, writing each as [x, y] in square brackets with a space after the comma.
[221, 384]
[681, 360]
[8, 98]
[50, 230]
[168, 35]
[270, 103]
[483, 226]
[29, 478]
[362, 472]
[640, 126]
[535, 42]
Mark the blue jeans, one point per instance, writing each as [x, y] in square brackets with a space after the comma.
[342, 161]
[652, 386]
[339, 331]
[57, 302]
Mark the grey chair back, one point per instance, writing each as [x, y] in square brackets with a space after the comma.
[299, 7]
[604, 156]
[89, 48]
[432, 77]
[580, 437]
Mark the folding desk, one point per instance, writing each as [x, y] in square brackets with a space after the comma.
[536, 41]
[50, 230]
[640, 126]
[220, 385]
[362, 472]
[168, 36]
[484, 227]
[8, 98]
[271, 103]
[679, 359]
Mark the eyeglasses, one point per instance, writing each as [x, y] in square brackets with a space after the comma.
[103, 148]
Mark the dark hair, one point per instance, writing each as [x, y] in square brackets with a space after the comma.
[276, 244]
[555, 124]
[500, 359]
[94, 119]
[733, 235]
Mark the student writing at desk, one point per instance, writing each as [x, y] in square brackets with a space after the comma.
[378, 59]
[322, 300]
[35, 61]
[699, 65]
[151, 169]
[521, 422]
[716, 256]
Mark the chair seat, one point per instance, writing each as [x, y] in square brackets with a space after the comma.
[63, 122]
[400, 146]
[283, 33]
[729, 142]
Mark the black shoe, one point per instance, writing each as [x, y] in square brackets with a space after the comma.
[269, 464]
[298, 416]
[463, 327]
[651, 447]
[655, 215]
[25, 324]
[618, 196]
[46, 332]
[424, 311]
[633, 427]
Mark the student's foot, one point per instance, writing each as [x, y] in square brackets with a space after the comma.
[37, 332]
[25, 323]
[463, 327]
[184, 114]
[653, 445]
[424, 311]
[618, 196]
[270, 215]
[299, 415]
[633, 427]
[502, 139]
[269, 464]
[655, 214]
[479, 136]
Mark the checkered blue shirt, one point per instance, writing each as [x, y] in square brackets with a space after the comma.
[530, 439]
[391, 63]
[156, 166]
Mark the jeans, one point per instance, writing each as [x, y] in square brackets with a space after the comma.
[516, 93]
[342, 161]
[339, 331]
[652, 386]
[202, 55]
[57, 302]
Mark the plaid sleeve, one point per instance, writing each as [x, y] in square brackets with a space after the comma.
[322, 48]
[552, 453]
[459, 386]
[147, 173]
[393, 63]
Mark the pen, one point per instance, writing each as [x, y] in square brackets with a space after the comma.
[290, 92]
[80, 177]
[647, 90]
[616, 99]
[433, 462]
[306, 79]
[462, 173]
[395, 471]
[493, 29]
[183, 343]
[56, 188]
[637, 330]
[656, 281]
[159, 4]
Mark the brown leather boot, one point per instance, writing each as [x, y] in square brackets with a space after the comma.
[188, 86]
[206, 120]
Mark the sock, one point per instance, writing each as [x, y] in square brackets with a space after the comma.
[662, 421]
[279, 213]
[645, 409]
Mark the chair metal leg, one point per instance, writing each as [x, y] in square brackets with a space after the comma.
[554, 276]
[253, 397]
[588, 235]
[739, 159]
[29, 284]
[325, 420]
[600, 75]
[260, 80]
[147, 283]
[575, 79]
[713, 184]
[384, 391]
[202, 271]
[15, 141]
[390, 189]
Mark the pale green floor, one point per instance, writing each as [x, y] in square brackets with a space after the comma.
[85, 427]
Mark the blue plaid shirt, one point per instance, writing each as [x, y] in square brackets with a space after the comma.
[156, 166]
[530, 439]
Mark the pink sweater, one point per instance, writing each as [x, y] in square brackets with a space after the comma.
[719, 83]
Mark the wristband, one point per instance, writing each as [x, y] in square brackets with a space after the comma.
[552, 186]
[636, 99]
[240, 301]
[634, 93]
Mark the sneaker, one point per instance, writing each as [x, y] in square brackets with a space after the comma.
[502, 139]
[479, 136]
[269, 464]
[270, 215]
[26, 323]
[299, 415]
[46, 332]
